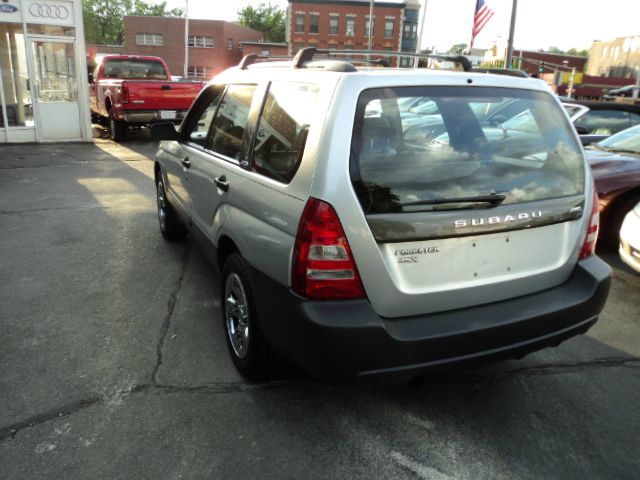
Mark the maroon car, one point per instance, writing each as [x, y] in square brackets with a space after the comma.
[615, 163]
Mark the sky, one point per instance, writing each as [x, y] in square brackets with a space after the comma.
[540, 24]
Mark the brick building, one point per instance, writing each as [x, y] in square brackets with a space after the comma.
[265, 49]
[335, 24]
[616, 58]
[213, 44]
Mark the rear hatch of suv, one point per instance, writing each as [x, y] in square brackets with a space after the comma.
[475, 199]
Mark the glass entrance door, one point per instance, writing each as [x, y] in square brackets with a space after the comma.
[56, 89]
[16, 106]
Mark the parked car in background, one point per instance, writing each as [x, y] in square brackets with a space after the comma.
[626, 91]
[595, 121]
[630, 239]
[128, 90]
[615, 163]
[354, 250]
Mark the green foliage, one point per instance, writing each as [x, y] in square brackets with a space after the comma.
[571, 51]
[268, 19]
[104, 19]
[457, 49]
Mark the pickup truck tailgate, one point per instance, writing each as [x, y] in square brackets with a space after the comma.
[161, 95]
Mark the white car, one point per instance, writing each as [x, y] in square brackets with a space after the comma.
[630, 239]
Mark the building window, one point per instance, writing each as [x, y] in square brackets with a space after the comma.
[367, 22]
[153, 39]
[299, 22]
[333, 25]
[313, 23]
[199, 41]
[313, 45]
[197, 71]
[265, 52]
[388, 27]
[297, 47]
[350, 30]
[406, 62]
[230, 44]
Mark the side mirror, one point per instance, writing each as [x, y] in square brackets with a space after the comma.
[582, 130]
[164, 131]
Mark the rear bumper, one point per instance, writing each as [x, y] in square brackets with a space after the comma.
[342, 339]
[144, 117]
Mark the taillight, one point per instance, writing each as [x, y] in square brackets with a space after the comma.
[323, 266]
[125, 94]
[589, 245]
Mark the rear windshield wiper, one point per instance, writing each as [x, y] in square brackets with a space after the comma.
[494, 200]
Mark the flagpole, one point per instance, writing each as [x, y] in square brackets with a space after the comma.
[511, 32]
[424, 16]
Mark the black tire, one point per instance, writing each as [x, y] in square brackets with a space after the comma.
[117, 129]
[610, 229]
[170, 225]
[251, 353]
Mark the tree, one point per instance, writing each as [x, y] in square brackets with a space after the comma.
[104, 19]
[457, 49]
[268, 19]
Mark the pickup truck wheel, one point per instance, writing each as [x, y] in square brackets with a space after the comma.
[170, 225]
[249, 349]
[117, 129]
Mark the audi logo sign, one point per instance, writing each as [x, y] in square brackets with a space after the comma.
[46, 10]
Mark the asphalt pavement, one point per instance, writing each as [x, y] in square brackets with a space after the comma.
[113, 363]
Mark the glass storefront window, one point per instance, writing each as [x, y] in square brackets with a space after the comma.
[14, 78]
[55, 71]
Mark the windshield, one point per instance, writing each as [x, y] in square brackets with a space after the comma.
[134, 68]
[627, 140]
[456, 152]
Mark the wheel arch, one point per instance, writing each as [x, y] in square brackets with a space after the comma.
[226, 246]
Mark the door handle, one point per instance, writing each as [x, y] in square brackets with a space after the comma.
[165, 87]
[221, 183]
[186, 163]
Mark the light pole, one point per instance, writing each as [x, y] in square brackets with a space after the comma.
[424, 16]
[370, 26]
[186, 41]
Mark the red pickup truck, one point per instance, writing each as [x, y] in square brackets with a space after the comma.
[135, 90]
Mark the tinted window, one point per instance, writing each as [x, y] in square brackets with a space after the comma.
[231, 121]
[282, 129]
[604, 122]
[398, 161]
[635, 119]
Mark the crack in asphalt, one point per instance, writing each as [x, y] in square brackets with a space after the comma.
[17, 213]
[171, 305]
[216, 388]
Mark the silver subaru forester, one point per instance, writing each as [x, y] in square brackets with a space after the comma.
[378, 222]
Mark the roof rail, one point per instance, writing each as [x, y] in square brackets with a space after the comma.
[252, 58]
[307, 54]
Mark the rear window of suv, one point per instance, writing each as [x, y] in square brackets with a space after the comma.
[473, 142]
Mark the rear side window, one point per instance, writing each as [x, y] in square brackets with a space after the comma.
[231, 121]
[282, 130]
[477, 141]
[604, 122]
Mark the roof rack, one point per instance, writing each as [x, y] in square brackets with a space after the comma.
[305, 57]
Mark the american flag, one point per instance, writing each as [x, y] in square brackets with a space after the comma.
[482, 16]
